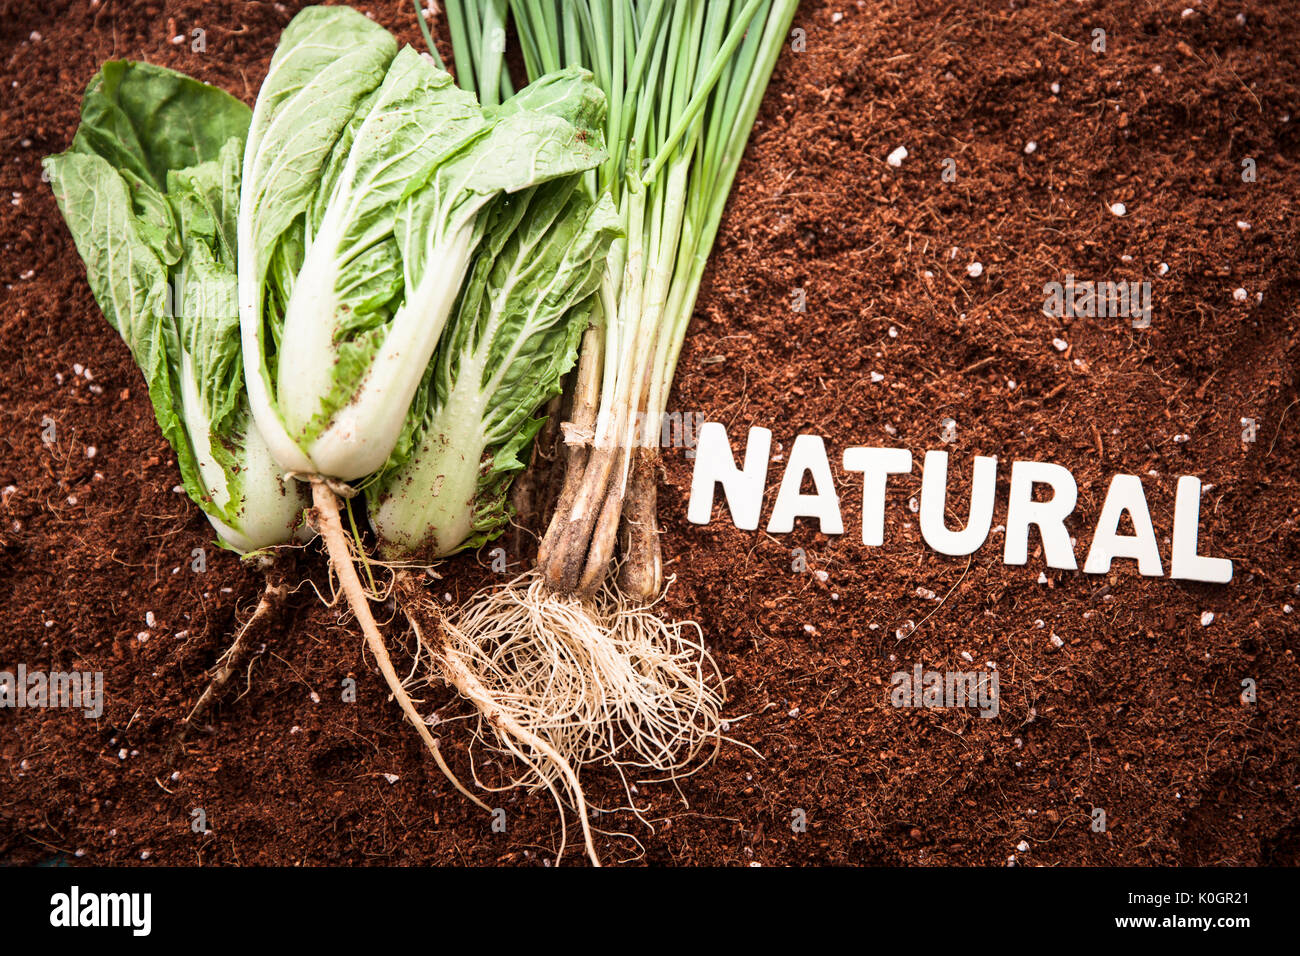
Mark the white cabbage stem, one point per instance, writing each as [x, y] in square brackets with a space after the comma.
[360, 436]
[270, 505]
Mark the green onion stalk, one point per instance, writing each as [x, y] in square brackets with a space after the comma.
[683, 80]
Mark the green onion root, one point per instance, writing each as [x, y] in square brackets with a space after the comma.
[580, 542]
[575, 552]
[640, 576]
[599, 680]
[456, 663]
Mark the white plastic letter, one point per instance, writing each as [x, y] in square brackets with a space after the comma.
[1186, 564]
[934, 493]
[808, 454]
[1023, 510]
[1125, 494]
[876, 465]
[715, 465]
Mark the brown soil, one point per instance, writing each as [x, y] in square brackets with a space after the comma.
[1137, 713]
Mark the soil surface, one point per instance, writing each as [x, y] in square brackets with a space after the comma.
[1118, 693]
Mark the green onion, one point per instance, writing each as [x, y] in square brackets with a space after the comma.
[583, 665]
[684, 82]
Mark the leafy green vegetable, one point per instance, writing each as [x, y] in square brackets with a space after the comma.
[147, 120]
[345, 293]
[514, 336]
[149, 191]
[328, 62]
[511, 340]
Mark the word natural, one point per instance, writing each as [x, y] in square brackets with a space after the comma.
[743, 486]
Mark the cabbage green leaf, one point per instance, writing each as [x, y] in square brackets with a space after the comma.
[149, 191]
